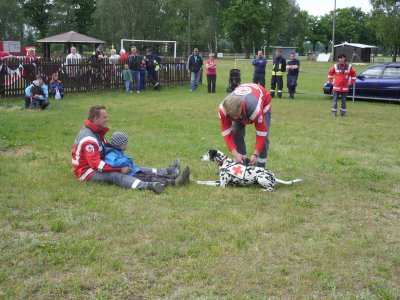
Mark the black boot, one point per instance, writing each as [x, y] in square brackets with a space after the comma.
[183, 178]
[157, 187]
[174, 168]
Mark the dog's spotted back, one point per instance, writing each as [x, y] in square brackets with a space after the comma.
[229, 173]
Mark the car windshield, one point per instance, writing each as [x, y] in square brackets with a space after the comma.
[373, 72]
[391, 72]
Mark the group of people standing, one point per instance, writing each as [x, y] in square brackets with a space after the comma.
[137, 66]
[279, 67]
[195, 65]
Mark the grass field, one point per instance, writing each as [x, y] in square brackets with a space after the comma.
[335, 235]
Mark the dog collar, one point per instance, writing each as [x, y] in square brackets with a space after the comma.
[222, 161]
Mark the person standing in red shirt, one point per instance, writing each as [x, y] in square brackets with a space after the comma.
[123, 56]
[211, 72]
[342, 75]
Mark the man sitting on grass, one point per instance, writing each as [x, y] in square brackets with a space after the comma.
[88, 156]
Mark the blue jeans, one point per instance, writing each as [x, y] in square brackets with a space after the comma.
[136, 76]
[194, 80]
[36, 103]
[142, 79]
[127, 84]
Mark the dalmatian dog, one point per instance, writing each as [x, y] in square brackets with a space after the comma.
[236, 174]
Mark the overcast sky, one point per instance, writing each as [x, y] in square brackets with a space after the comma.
[322, 7]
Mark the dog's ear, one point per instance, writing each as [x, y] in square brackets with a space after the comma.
[212, 153]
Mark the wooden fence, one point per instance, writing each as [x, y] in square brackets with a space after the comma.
[81, 75]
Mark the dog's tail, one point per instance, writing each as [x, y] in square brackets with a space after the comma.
[288, 182]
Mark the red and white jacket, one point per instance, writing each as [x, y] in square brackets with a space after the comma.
[88, 152]
[256, 102]
[344, 77]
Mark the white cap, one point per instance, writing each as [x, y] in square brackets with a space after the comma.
[122, 51]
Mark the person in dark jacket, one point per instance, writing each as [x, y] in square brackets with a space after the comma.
[278, 68]
[153, 66]
[292, 68]
[259, 64]
[56, 85]
[195, 66]
[134, 62]
[4, 70]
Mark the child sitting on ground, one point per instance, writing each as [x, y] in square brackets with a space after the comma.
[116, 158]
[55, 86]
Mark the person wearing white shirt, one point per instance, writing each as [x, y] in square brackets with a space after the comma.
[73, 55]
[72, 63]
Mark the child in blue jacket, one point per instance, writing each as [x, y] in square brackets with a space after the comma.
[56, 85]
[116, 157]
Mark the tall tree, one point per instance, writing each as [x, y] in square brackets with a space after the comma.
[298, 26]
[276, 17]
[313, 33]
[351, 25]
[386, 14]
[244, 23]
[38, 14]
[324, 31]
[11, 20]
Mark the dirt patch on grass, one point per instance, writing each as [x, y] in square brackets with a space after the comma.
[16, 151]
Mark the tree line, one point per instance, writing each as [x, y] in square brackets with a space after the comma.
[211, 25]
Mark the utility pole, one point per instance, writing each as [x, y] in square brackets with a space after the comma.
[333, 33]
[189, 50]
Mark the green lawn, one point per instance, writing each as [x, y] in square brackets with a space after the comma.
[335, 235]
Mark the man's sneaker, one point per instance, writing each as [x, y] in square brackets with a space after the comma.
[183, 178]
[174, 168]
[157, 187]
[138, 92]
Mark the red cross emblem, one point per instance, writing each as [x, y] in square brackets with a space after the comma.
[238, 170]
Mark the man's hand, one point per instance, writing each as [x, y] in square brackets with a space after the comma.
[238, 157]
[254, 159]
[125, 170]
